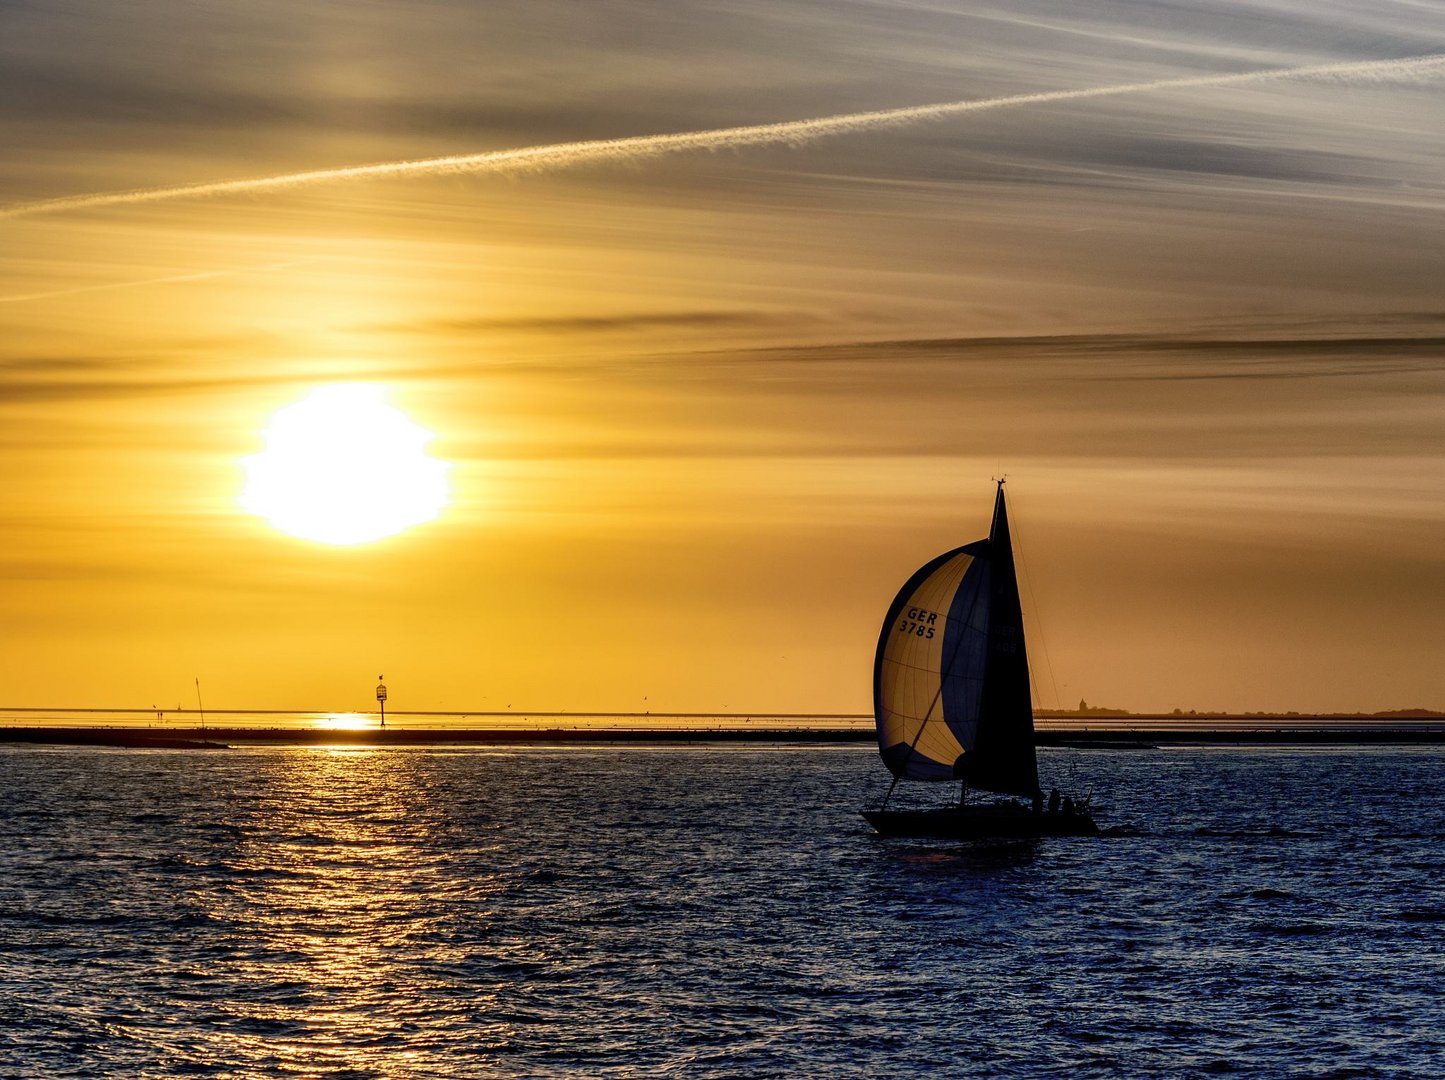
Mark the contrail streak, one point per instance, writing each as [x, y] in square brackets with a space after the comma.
[791, 132]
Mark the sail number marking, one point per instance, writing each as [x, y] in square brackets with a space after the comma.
[919, 622]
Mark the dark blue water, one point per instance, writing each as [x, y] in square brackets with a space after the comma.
[694, 911]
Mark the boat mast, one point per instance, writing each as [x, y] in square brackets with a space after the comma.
[998, 527]
[1005, 742]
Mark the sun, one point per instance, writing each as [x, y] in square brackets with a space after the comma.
[343, 466]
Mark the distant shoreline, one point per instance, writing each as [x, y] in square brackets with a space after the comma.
[550, 718]
[214, 737]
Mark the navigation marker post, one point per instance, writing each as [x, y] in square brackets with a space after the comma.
[381, 697]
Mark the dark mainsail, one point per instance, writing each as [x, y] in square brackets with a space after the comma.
[951, 675]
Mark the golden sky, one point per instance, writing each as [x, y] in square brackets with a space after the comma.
[706, 412]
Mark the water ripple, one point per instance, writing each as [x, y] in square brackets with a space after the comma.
[694, 911]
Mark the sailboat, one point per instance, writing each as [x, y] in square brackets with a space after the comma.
[951, 698]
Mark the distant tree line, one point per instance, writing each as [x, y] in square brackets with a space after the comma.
[1085, 709]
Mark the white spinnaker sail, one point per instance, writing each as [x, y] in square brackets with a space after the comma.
[929, 667]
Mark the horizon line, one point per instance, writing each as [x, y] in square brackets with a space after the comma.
[1101, 713]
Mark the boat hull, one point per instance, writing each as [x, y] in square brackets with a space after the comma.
[979, 822]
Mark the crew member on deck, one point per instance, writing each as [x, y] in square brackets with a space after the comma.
[1054, 801]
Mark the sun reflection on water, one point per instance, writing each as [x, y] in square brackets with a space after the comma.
[347, 883]
[350, 721]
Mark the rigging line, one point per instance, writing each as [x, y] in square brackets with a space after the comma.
[1033, 668]
[923, 723]
[943, 669]
[890, 792]
[1038, 620]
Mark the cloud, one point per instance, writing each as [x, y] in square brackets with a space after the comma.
[863, 366]
[167, 279]
[566, 155]
[1088, 347]
[77, 365]
[643, 320]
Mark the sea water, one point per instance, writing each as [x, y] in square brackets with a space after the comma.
[707, 911]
